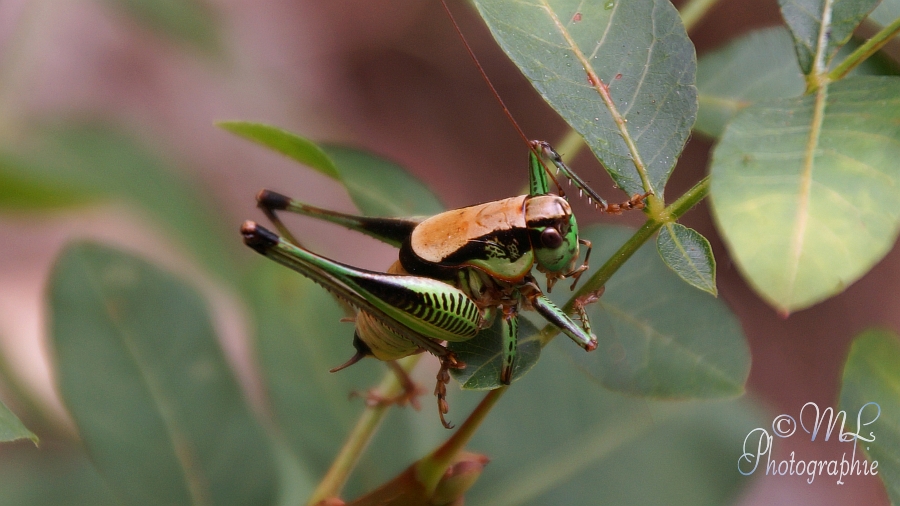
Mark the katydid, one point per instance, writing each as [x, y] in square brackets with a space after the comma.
[457, 271]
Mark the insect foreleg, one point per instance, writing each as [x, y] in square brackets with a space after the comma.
[635, 202]
[581, 334]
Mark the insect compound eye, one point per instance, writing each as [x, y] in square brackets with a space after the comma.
[551, 238]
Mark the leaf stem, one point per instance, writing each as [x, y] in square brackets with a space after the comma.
[693, 11]
[359, 437]
[864, 51]
[433, 466]
[603, 89]
[615, 262]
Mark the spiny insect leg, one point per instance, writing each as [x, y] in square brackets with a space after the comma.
[440, 390]
[410, 393]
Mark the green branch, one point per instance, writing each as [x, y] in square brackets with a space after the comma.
[359, 437]
[864, 51]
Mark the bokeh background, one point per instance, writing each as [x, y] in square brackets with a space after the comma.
[388, 76]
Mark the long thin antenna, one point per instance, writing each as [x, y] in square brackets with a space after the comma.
[483, 74]
[500, 101]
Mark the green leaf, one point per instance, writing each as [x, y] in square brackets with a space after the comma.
[380, 187]
[886, 12]
[483, 356]
[52, 475]
[761, 65]
[638, 48]
[872, 375]
[820, 27]
[23, 187]
[300, 336]
[11, 428]
[191, 21]
[290, 145]
[557, 439]
[377, 186]
[94, 160]
[145, 380]
[657, 336]
[689, 254]
[808, 203]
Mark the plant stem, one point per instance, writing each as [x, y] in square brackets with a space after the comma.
[615, 262]
[864, 51]
[359, 437]
[432, 467]
[693, 11]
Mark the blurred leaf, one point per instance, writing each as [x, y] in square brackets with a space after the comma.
[657, 336]
[483, 356]
[557, 439]
[11, 428]
[51, 476]
[837, 19]
[758, 66]
[886, 12]
[380, 187]
[299, 338]
[97, 160]
[23, 187]
[284, 142]
[872, 375]
[191, 21]
[808, 205]
[142, 374]
[377, 186]
[638, 48]
[689, 254]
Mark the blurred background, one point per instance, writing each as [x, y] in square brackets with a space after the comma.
[148, 80]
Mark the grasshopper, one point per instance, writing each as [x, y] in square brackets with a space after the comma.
[456, 273]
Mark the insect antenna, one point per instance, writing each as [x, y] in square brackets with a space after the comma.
[542, 149]
[531, 144]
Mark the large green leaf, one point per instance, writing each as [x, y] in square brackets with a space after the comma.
[23, 187]
[288, 144]
[11, 428]
[804, 190]
[377, 186]
[300, 336]
[51, 476]
[380, 187]
[81, 161]
[659, 337]
[142, 374]
[555, 438]
[639, 51]
[761, 65]
[820, 27]
[872, 375]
